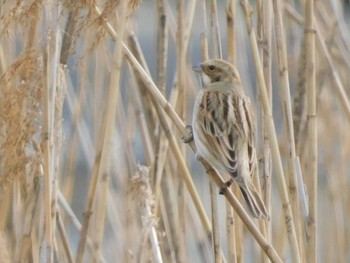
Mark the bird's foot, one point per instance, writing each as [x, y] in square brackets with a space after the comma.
[190, 137]
[226, 185]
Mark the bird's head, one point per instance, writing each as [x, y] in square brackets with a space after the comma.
[217, 70]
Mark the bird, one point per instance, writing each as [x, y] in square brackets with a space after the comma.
[223, 129]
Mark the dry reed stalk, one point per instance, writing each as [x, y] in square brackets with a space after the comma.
[143, 105]
[184, 172]
[235, 238]
[162, 45]
[232, 225]
[312, 179]
[100, 207]
[162, 59]
[59, 95]
[299, 95]
[263, 45]
[181, 108]
[215, 31]
[266, 171]
[24, 216]
[162, 148]
[17, 184]
[281, 242]
[231, 31]
[287, 211]
[204, 32]
[219, 181]
[266, 247]
[203, 243]
[148, 110]
[184, 27]
[102, 159]
[217, 53]
[335, 187]
[333, 16]
[215, 222]
[141, 189]
[169, 253]
[188, 181]
[260, 26]
[150, 153]
[169, 192]
[50, 60]
[190, 11]
[231, 233]
[287, 109]
[181, 235]
[30, 235]
[166, 107]
[339, 87]
[64, 238]
[299, 101]
[62, 202]
[340, 91]
[207, 226]
[267, 54]
[161, 158]
[20, 118]
[239, 227]
[125, 226]
[76, 105]
[335, 184]
[145, 133]
[168, 186]
[67, 42]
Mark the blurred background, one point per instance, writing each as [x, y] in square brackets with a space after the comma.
[79, 127]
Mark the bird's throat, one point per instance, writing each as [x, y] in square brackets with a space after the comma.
[206, 80]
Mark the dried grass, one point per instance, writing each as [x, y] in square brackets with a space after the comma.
[84, 103]
[20, 114]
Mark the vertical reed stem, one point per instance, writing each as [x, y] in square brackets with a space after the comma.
[102, 159]
[287, 211]
[310, 33]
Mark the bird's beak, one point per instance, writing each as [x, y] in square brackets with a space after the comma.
[197, 68]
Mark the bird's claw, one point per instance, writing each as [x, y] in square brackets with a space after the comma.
[226, 185]
[190, 137]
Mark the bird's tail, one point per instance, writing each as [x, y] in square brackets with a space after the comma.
[254, 202]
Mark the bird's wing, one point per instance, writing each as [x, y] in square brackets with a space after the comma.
[250, 133]
[220, 126]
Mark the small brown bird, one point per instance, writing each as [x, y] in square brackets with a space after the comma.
[223, 129]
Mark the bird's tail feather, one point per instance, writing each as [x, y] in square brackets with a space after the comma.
[254, 202]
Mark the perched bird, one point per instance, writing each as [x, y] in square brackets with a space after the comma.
[223, 129]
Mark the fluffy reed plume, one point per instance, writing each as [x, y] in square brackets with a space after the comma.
[20, 114]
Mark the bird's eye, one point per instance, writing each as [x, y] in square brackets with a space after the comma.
[211, 67]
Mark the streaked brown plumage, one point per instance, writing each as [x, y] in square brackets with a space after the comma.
[223, 129]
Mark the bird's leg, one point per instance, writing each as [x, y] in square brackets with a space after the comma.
[226, 185]
[190, 137]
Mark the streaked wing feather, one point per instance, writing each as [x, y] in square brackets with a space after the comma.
[249, 115]
[219, 133]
